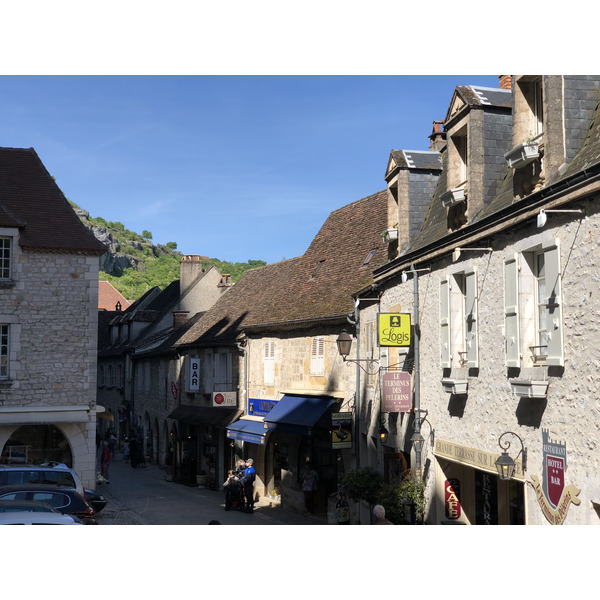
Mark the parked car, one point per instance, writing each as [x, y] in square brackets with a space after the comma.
[52, 472]
[65, 500]
[24, 506]
[28, 517]
[96, 499]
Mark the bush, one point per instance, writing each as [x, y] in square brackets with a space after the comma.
[364, 484]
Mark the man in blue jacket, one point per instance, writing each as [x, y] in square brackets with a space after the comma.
[248, 482]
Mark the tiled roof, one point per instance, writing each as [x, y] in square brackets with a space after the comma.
[108, 297]
[316, 286]
[31, 200]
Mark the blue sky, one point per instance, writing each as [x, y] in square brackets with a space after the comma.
[231, 167]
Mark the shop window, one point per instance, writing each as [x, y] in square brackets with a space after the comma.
[36, 444]
[317, 356]
[532, 307]
[458, 320]
[269, 363]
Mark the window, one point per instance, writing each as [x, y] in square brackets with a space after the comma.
[458, 320]
[317, 356]
[269, 363]
[532, 307]
[368, 258]
[223, 372]
[316, 271]
[5, 257]
[4, 351]
[101, 381]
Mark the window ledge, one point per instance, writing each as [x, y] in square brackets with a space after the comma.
[454, 196]
[522, 154]
[5, 384]
[529, 388]
[455, 386]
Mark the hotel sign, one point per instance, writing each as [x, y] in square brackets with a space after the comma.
[393, 329]
[397, 392]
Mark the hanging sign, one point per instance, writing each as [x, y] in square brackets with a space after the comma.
[553, 496]
[341, 430]
[397, 392]
[393, 329]
[174, 390]
[193, 374]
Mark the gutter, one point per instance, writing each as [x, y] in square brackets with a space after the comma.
[560, 193]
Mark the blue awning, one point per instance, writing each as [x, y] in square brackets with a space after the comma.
[247, 430]
[297, 414]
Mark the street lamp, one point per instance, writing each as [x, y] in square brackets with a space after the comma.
[344, 344]
[504, 463]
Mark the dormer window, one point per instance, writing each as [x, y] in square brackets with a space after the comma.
[316, 271]
[368, 258]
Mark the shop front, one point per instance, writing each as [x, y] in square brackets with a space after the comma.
[468, 490]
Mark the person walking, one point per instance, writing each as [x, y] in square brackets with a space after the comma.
[248, 482]
[310, 480]
[112, 443]
[105, 462]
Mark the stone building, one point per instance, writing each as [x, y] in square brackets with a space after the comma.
[500, 284]
[48, 321]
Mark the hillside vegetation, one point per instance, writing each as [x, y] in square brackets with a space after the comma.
[133, 264]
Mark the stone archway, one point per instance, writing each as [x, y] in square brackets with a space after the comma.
[37, 444]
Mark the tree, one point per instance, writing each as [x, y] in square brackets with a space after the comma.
[364, 484]
[171, 245]
[147, 235]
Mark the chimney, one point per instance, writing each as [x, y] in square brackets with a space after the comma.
[225, 280]
[189, 270]
[437, 137]
[180, 317]
[505, 82]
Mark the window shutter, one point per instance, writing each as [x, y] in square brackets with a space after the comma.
[471, 325]
[269, 363]
[511, 311]
[317, 357]
[553, 304]
[446, 361]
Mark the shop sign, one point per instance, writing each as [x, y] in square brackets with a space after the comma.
[193, 374]
[397, 392]
[486, 461]
[452, 499]
[260, 407]
[553, 496]
[393, 329]
[227, 399]
[174, 390]
[341, 430]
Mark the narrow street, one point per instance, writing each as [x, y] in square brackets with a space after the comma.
[143, 496]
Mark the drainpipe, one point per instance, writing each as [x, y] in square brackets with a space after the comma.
[357, 393]
[417, 334]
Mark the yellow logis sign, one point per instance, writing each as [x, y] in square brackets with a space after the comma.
[393, 329]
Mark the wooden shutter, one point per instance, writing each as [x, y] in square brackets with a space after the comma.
[471, 325]
[511, 311]
[269, 363]
[553, 303]
[446, 361]
[317, 356]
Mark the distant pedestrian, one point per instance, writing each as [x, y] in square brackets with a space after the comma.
[126, 449]
[379, 514]
[112, 442]
[310, 479]
[105, 462]
[133, 452]
[248, 483]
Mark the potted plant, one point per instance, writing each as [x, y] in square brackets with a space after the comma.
[364, 484]
[524, 153]
[201, 478]
[390, 235]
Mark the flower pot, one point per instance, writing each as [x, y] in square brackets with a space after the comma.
[529, 389]
[453, 196]
[522, 154]
[201, 480]
[455, 386]
[390, 235]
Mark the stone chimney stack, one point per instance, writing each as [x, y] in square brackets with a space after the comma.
[189, 270]
[505, 82]
[225, 280]
[437, 137]
[180, 317]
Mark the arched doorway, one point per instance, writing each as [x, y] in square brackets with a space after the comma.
[37, 444]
